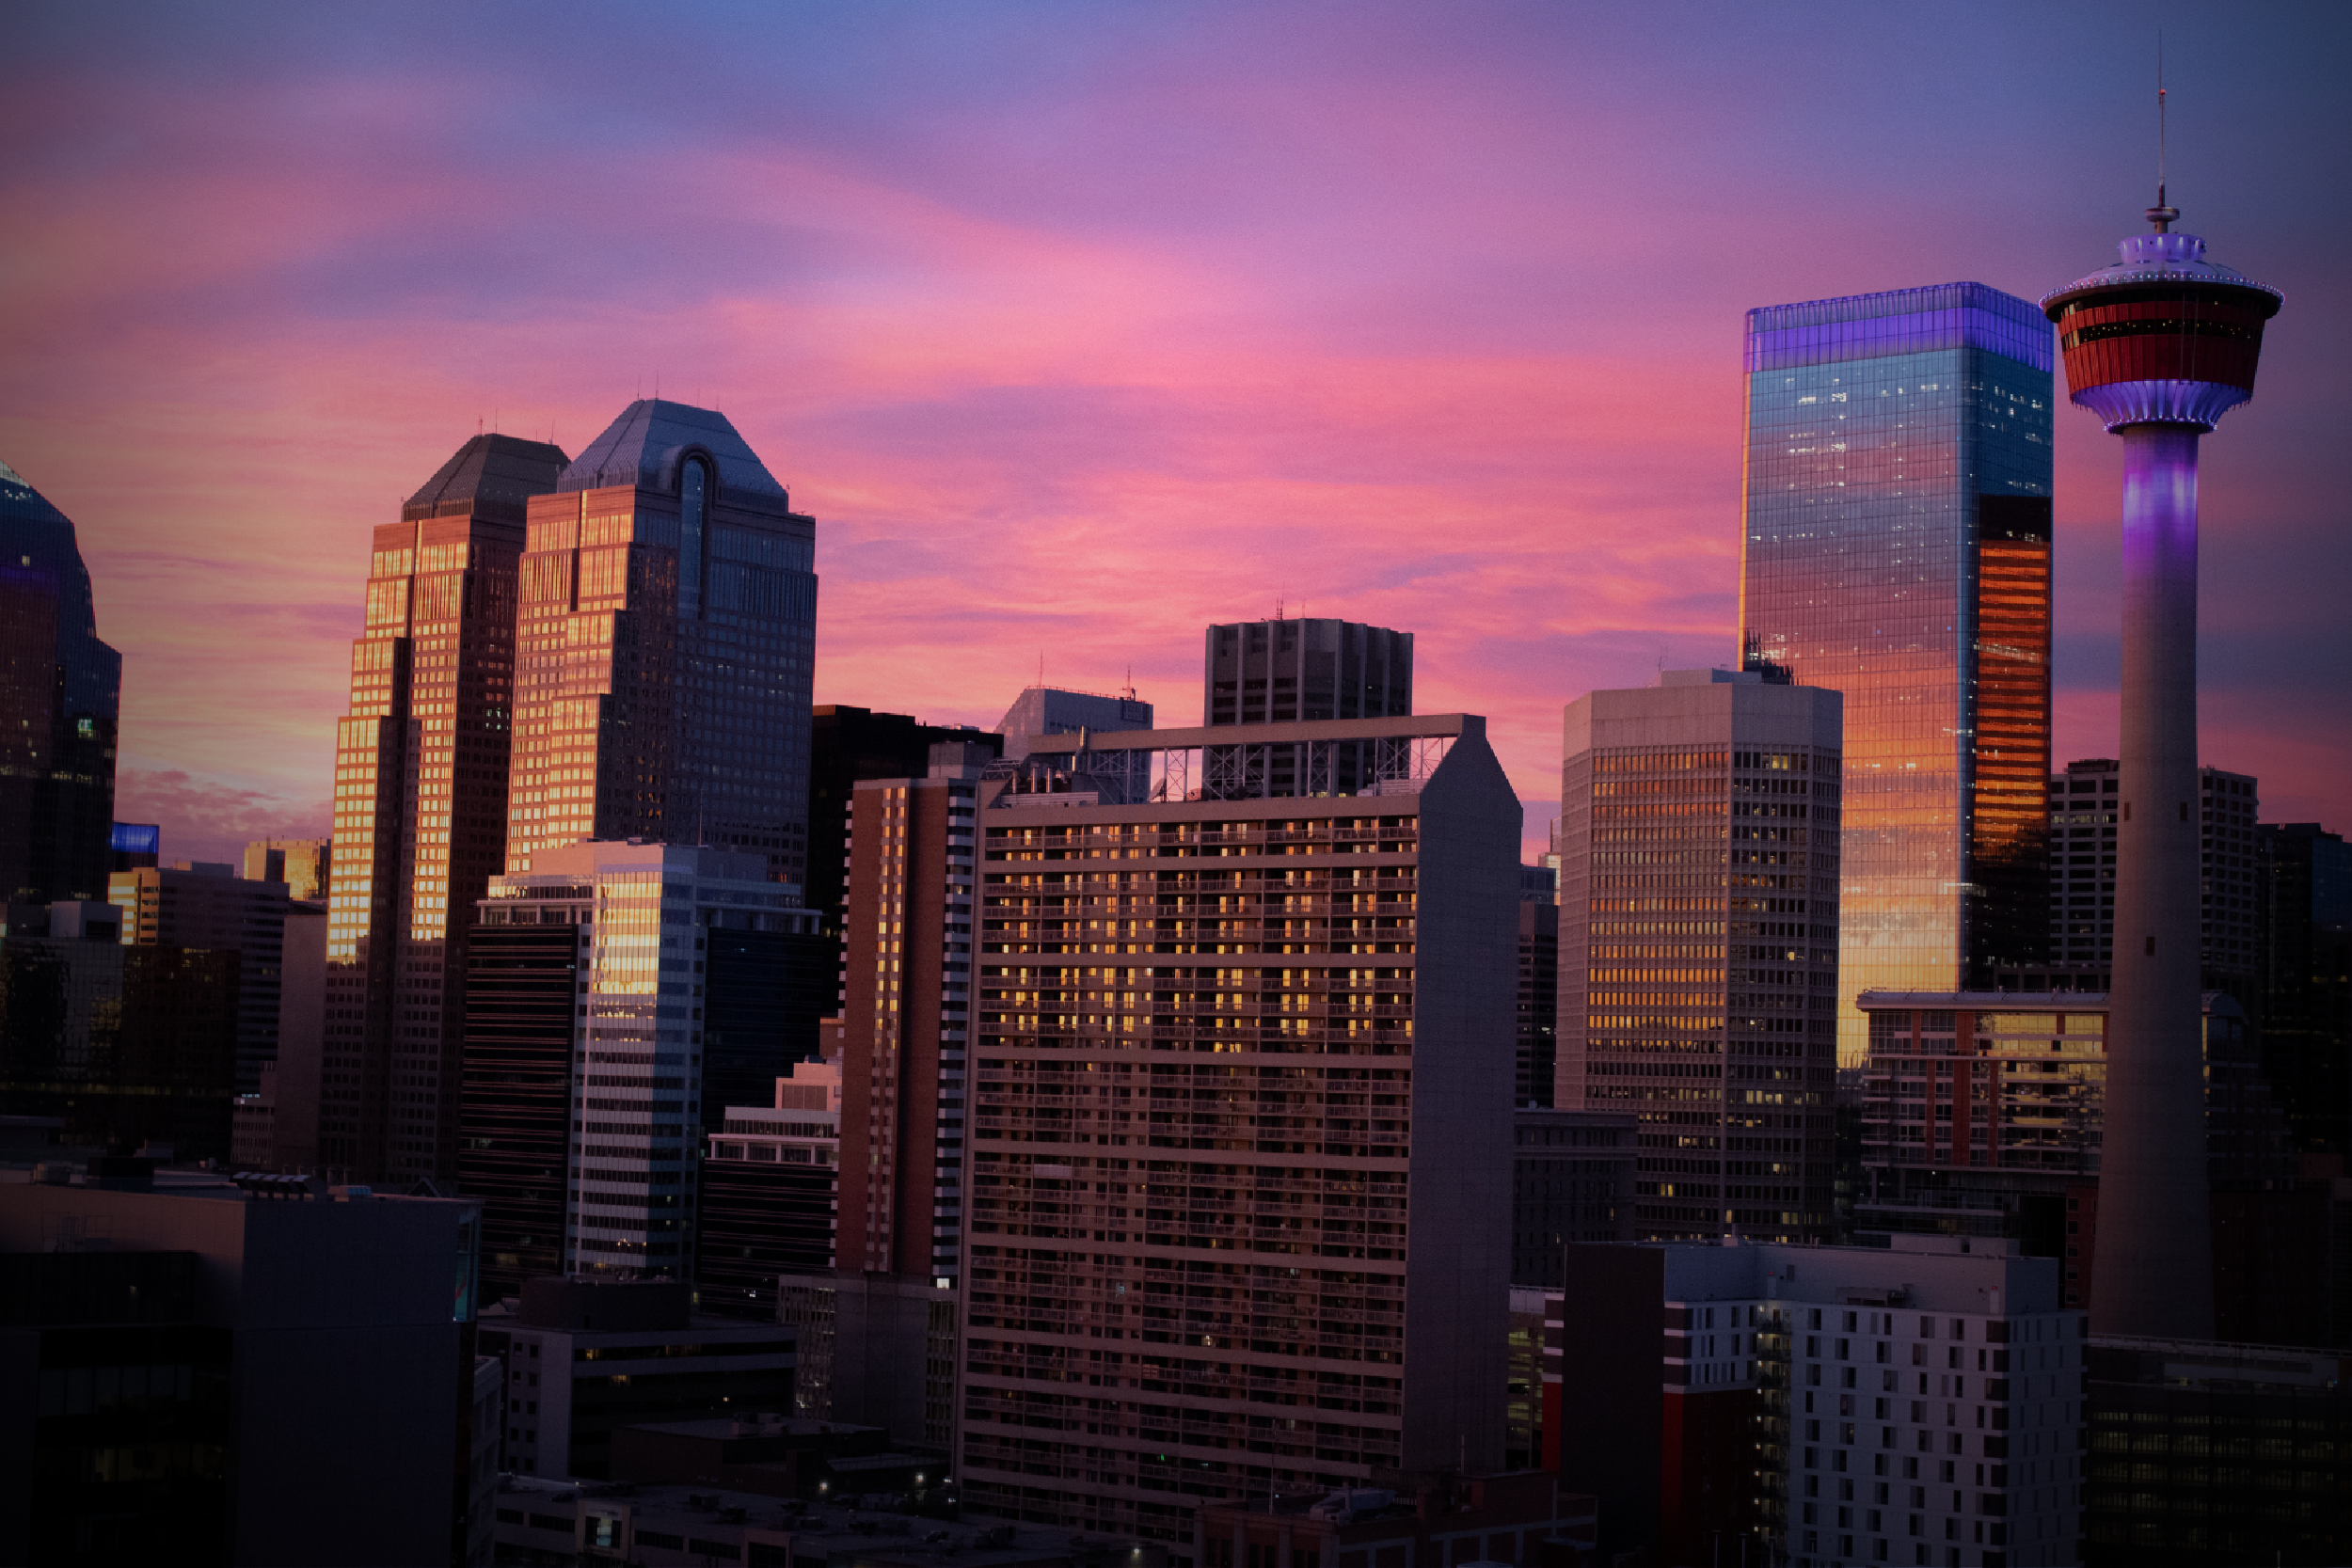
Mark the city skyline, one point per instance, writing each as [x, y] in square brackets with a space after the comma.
[1187, 299]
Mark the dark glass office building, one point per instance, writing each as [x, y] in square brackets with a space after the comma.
[667, 621]
[59, 687]
[515, 1110]
[1896, 549]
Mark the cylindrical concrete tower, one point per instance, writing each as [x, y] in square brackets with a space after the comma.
[2160, 346]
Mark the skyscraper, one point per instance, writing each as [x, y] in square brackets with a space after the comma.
[421, 770]
[1241, 1143]
[1698, 848]
[1896, 549]
[59, 691]
[607, 974]
[2159, 346]
[1304, 671]
[667, 621]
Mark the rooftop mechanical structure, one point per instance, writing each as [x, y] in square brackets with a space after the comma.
[2160, 346]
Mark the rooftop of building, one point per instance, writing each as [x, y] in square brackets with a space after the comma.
[869, 1530]
[2013, 1001]
[1437, 1500]
[496, 475]
[2164, 259]
[1934, 1274]
[650, 438]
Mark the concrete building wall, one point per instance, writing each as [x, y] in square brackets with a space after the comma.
[1699, 894]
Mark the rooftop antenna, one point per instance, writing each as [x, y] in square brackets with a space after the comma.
[2162, 214]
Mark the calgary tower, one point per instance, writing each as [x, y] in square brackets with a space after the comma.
[2160, 346]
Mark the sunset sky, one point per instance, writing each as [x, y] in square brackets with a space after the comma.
[1079, 326]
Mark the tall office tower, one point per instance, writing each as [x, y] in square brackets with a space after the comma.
[1898, 549]
[2084, 803]
[196, 905]
[60, 688]
[1698, 847]
[2160, 346]
[1281, 671]
[848, 744]
[600, 1061]
[1539, 986]
[1242, 1133]
[302, 864]
[668, 619]
[2305, 981]
[420, 806]
[1826, 1406]
[264, 1357]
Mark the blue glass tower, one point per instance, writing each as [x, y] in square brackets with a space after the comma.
[1897, 547]
[59, 691]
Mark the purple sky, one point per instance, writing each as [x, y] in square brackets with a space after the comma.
[1080, 326]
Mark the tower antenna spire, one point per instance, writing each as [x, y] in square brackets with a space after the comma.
[2162, 214]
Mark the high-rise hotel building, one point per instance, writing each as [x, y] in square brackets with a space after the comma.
[421, 767]
[1239, 1188]
[1699, 844]
[667, 619]
[1896, 549]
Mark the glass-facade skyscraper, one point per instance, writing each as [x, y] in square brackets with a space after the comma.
[1897, 547]
[667, 622]
[59, 687]
[420, 766]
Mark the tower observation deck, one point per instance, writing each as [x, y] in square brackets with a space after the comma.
[2160, 346]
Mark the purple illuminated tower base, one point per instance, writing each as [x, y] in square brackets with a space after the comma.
[2159, 347]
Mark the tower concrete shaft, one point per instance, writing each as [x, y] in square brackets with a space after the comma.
[2160, 346]
[2153, 1269]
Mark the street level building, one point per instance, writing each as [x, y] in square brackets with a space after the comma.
[421, 768]
[1896, 549]
[665, 630]
[1699, 916]
[61, 690]
[2204, 1455]
[1826, 1406]
[1984, 1113]
[125, 1046]
[1442, 1517]
[1239, 1194]
[585, 1358]
[600, 1063]
[210, 1371]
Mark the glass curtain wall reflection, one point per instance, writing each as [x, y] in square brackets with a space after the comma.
[1896, 549]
